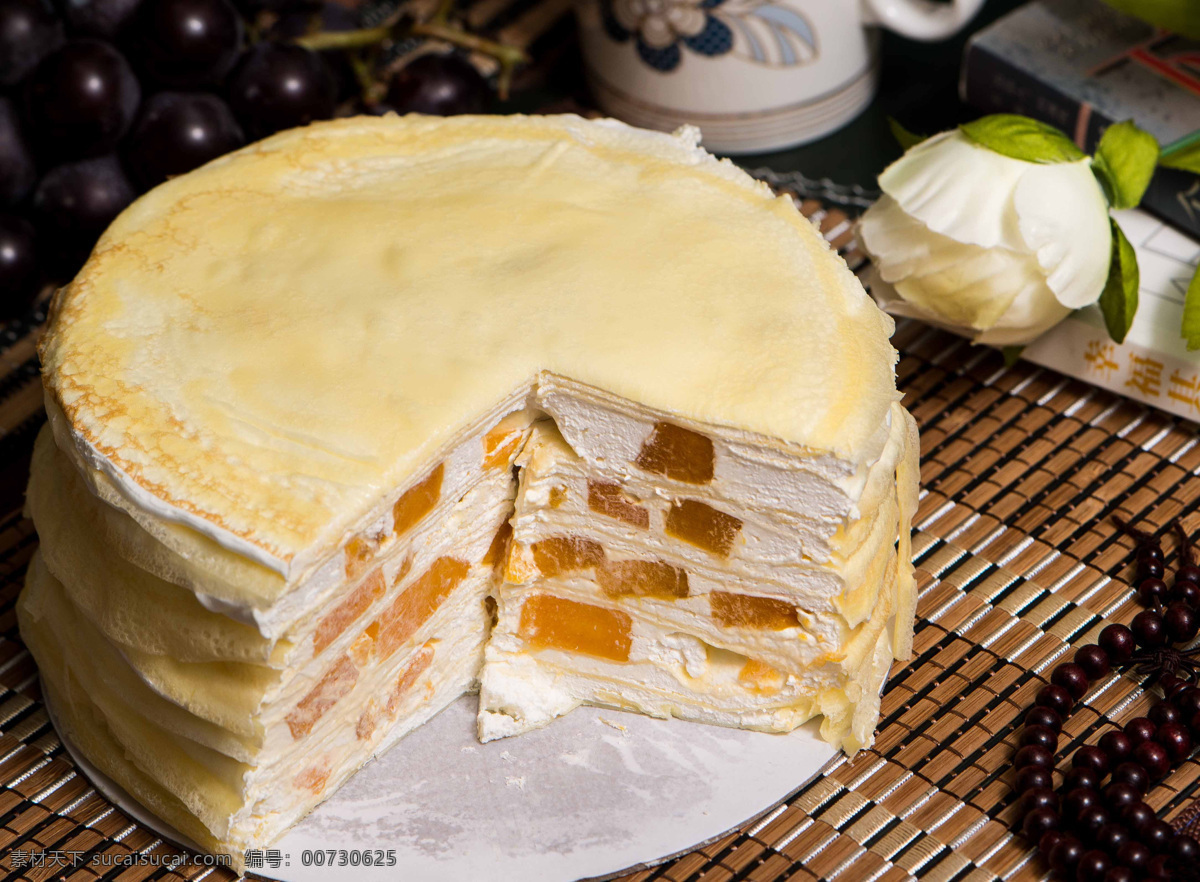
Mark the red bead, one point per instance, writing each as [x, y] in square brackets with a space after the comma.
[1071, 677]
[1140, 729]
[1132, 774]
[1148, 629]
[1151, 756]
[1149, 568]
[1032, 755]
[1039, 735]
[1119, 874]
[1157, 835]
[1032, 777]
[1038, 823]
[1094, 661]
[1117, 745]
[1092, 866]
[1111, 837]
[1184, 848]
[1137, 816]
[1186, 592]
[1042, 797]
[1078, 801]
[1160, 866]
[1044, 716]
[1151, 590]
[1152, 552]
[1164, 712]
[1048, 841]
[1176, 739]
[1065, 855]
[1090, 822]
[1134, 855]
[1181, 621]
[1188, 573]
[1188, 701]
[1091, 757]
[1118, 642]
[1081, 777]
[1056, 698]
[1118, 797]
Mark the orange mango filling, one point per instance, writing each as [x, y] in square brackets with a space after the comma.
[498, 550]
[677, 453]
[703, 526]
[562, 554]
[418, 602]
[610, 500]
[333, 624]
[642, 578]
[500, 445]
[760, 677]
[556, 623]
[414, 669]
[359, 552]
[745, 611]
[417, 501]
[336, 683]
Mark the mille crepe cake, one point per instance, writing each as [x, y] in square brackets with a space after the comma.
[385, 410]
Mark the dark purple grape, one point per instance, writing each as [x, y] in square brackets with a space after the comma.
[177, 132]
[18, 172]
[18, 264]
[251, 8]
[29, 31]
[81, 99]
[188, 43]
[326, 18]
[277, 87]
[441, 85]
[75, 202]
[98, 18]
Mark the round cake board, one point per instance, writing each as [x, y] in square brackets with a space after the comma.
[595, 793]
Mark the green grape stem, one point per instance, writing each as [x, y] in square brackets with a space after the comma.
[508, 56]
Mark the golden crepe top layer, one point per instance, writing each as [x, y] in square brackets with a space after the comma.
[260, 349]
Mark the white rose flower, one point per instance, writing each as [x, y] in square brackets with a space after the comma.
[999, 248]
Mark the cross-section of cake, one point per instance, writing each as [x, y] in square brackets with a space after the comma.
[382, 411]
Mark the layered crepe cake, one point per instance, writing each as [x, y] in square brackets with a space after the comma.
[383, 411]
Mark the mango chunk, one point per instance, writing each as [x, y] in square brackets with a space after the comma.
[610, 500]
[677, 453]
[549, 622]
[746, 611]
[417, 501]
[702, 525]
[417, 604]
[642, 578]
[336, 683]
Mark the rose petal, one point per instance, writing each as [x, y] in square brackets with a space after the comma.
[1063, 217]
[965, 285]
[959, 189]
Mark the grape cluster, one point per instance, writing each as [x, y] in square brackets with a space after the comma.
[1097, 826]
[100, 100]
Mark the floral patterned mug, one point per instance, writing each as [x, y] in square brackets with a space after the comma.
[754, 75]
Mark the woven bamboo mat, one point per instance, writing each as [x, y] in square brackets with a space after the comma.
[1017, 561]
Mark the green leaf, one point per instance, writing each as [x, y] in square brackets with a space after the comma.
[1020, 137]
[1191, 313]
[1012, 354]
[1119, 301]
[1178, 16]
[906, 139]
[1183, 154]
[1125, 161]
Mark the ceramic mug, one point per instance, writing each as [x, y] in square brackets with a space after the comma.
[754, 75]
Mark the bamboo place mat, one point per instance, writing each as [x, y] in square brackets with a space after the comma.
[1017, 561]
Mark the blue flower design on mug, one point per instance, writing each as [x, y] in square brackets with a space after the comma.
[660, 26]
